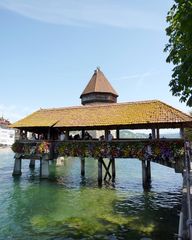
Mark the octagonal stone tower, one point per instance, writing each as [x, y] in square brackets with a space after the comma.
[98, 90]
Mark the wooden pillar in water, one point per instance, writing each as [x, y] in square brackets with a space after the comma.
[149, 171]
[82, 166]
[113, 168]
[17, 167]
[44, 168]
[32, 163]
[100, 162]
[146, 173]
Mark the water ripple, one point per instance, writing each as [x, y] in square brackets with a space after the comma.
[70, 207]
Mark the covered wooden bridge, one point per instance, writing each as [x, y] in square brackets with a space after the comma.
[98, 119]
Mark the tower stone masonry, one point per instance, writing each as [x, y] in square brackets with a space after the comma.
[98, 90]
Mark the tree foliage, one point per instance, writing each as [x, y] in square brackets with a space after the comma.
[179, 47]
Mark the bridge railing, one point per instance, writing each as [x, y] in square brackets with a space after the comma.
[157, 149]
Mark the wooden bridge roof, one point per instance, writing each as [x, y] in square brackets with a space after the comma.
[135, 115]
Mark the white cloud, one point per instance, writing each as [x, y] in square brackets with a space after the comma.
[135, 76]
[139, 79]
[86, 13]
[14, 113]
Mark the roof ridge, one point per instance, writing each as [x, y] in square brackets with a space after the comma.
[100, 105]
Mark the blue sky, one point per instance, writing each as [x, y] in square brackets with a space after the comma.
[49, 50]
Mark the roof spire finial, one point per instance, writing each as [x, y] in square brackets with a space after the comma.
[97, 69]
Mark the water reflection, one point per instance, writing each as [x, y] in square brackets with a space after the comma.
[71, 207]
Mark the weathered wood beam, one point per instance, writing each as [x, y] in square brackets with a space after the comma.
[113, 169]
[157, 133]
[100, 160]
[182, 135]
[117, 134]
[107, 167]
[82, 166]
[32, 163]
[145, 174]
[44, 168]
[17, 167]
[153, 133]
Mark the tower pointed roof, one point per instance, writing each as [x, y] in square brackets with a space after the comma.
[99, 84]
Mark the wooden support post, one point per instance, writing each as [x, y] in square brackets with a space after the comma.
[107, 167]
[17, 167]
[32, 163]
[182, 133]
[25, 133]
[146, 181]
[108, 176]
[44, 168]
[144, 175]
[117, 133]
[49, 134]
[148, 171]
[157, 133]
[113, 168]
[82, 166]
[83, 134]
[100, 163]
[106, 134]
[66, 135]
[153, 133]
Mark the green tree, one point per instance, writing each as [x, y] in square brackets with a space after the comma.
[179, 47]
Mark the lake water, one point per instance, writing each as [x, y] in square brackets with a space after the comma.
[70, 207]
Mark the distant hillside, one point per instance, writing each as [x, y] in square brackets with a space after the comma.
[129, 134]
